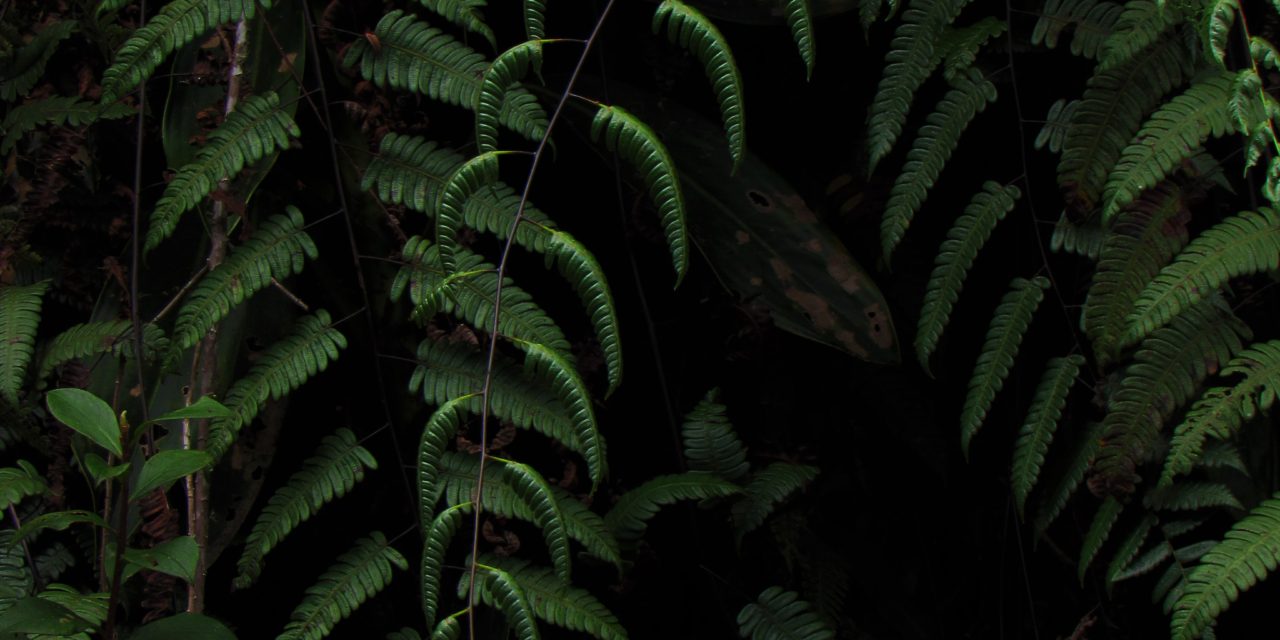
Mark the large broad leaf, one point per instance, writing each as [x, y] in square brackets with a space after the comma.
[766, 11]
[33, 615]
[188, 626]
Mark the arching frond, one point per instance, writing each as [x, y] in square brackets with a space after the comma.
[572, 391]
[1222, 455]
[687, 27]
[533, 489]
[15, 576]
[710, 443]
[56, 111]
[1248, 552]
[358, 575]
[930, 152]
[1128, 548]
[630, 516]
[535, 19]
[90, 338]
[474, 174]
[443, 425]
[506, 71]
[465, 14]
[964, 240]
[1264, 53]
[799, 17]
[766, 490]
[1059, 488]
[1091, 22]
[505, 593]
[1004, 336]
[1141, 23]
[19, 482]
[19, 319]
[1245, 243]
[778, 614]
[555, 601]
[1042, 420]
[636, 143]
[283, 367]
[21, 72]
[338, 464]
[1099, 531]
[1219, 17]
[907, 65]
[1189, 496]
[449, 628]
[436, 536]
[258, 126]
[577, 265]
[416, 57]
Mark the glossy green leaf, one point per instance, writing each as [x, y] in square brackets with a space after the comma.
[34, 615]
[166, 467]
[101, 471]
[188, 626]
[176, 557]
[87, 415]
[204, 408]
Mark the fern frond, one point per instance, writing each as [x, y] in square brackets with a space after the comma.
[16, 580]
[1222, 455]
[907, 65]
[630, 516]
[410, 171]
[276, 250]
[505, 593]
[778, 614]
[283, 367]
[1091, 20]
[572, 391]
[1248, 552]
[640, 146]
[449, 628]
[766, 490]
[466, 180]
[1141, 23]
[710, 443]
[1245, 243]
[1004, 336]
[56, 111]
[176, 24]
[506, 71]
[799, 15]
[465, 14]
[21, 72]
[1128, 549]
[1042, 420]
[111, 336]
[687, 27]
[19, 319]
[1189, 496]
[1264, 53]
[1099, 530]
[1219, 17]
[964, 240]
[19, 482]
[1171, 585]
[577, 265]
[1054, 132]
[258, 126]
[930, 152]
[416, 57]
[338, 464]
[436, 537]
[555, 601]
[531, 487]
[358, 575]
[1084, 239]
[107, 6]
[957, 48]
[1168, 137]
[535, 19]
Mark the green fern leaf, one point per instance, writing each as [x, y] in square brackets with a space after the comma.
[358, 575]
[577, 265]
[639, 145]
[19, 482]
[930, 153]
[19, 318]
[1099, 530]
[1189, 496]
[964, 240]
[53, 562]
[338, 464]
[113, 336]
[56, 111]
[450, 628]
[505, 593]
[1219, 17]
[416, 57]
[506, 71]
[957, 48]
[1090, 20]
[436, 535]
[1141, 23]
[1010, 322]
[21, 72]
[530, 486]
[444, 424]
[1054, 132]
[1248, 552]
[276, 250]
[907, 66]
[1059, 488]
[710, 443]
[630, 516]
[1174, 581]
[1222, 455]
[1042, 420]
[176, 24]
[1084, 240]
[466, 180]
[16, 581]
[1246, 243]
[568, 385]
[766, 490]
[1128, 549]
[535, 19]
[258, 126]
[778, 614]
[553, 600]
[799, 15]
[1264, 53]
[687, 27]
[283, 367]
[465, 14]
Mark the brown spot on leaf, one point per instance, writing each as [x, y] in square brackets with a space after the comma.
[880, 333]
[798, 208]
[844, 272]
[850, 342]
[781, 269]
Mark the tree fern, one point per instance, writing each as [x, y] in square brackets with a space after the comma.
[19, 482]
[505, 593]
[1106, 517]
[416, 57]
[464, 13]
[1042, 420]
[907, 65]
[710, 443]
[554, 601]
[436, 537]
[629, 517]
[1141, 23]
[778, 614]
[1010, 322]
[964, 240]
[535, 19]
[283, 367]
[338, 464]
[258, 126]
[505, 71]
[687, 27]
[358, 575]
[176, 24]
[276, 250]
[1059, 488]
[1189, 496]
[19, 318]
[930, 153]
[1246, 243]
[799, 15]
[21, 72]
[56, 111]
[1248, 552]
[1090, 20]
[640, 146]
[766, 490]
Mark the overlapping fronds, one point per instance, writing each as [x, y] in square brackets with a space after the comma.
[572, 390]
[19, 482]
[90, 338]
[177, 23]
[1191, 495]
[1091, 22]
[411, 171]
[629, 518]
[508, 597]
[964, 240]
[778, 614]
[358, 575]
[19, 319]
[554, 601]
[465, 14]
[1099, 530]
[766, 490]
[413, 56]
[1141, 23]
[338, 464]
[687, 27]
[957, 48]
[799, 17]
[276, 250]
[1248, 242]
[1012, 317]
[907, 65]
[474, 175]
[637, 144]
[258, 126]
[55, 111]
[1042, 421]
[21, 72]
[436, 537]
[930, 152]
[1248, 552]
[710, 443]
[534, 491]
[535, 19]
[1128, 548]
[283, 367]
[1220, 411]
[506, 71]
[16, 580]
[1264, 53]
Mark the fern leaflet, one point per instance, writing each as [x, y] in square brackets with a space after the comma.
[506, 71]
[1042, 420]
[358, 575]
[510, 599]
[1219, 17]
[19, 482]
[778, 614]
[1141, 23]
[57, 111]
[535, 19]
[572, 391]
[436, 536]
[766, 490]
[710, 443]
[464, 13]
[113, 336]
[1128, 549]
[629, 518]
[799, 15]
[473, 176]
[1092, 22]
[958, 48]
[1099, 530]
[554, 601]
[19, 318]
[1189, 496]
[21, 72]
[533, 489]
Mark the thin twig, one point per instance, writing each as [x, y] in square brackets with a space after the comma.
[182, 293]
[290, 295]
